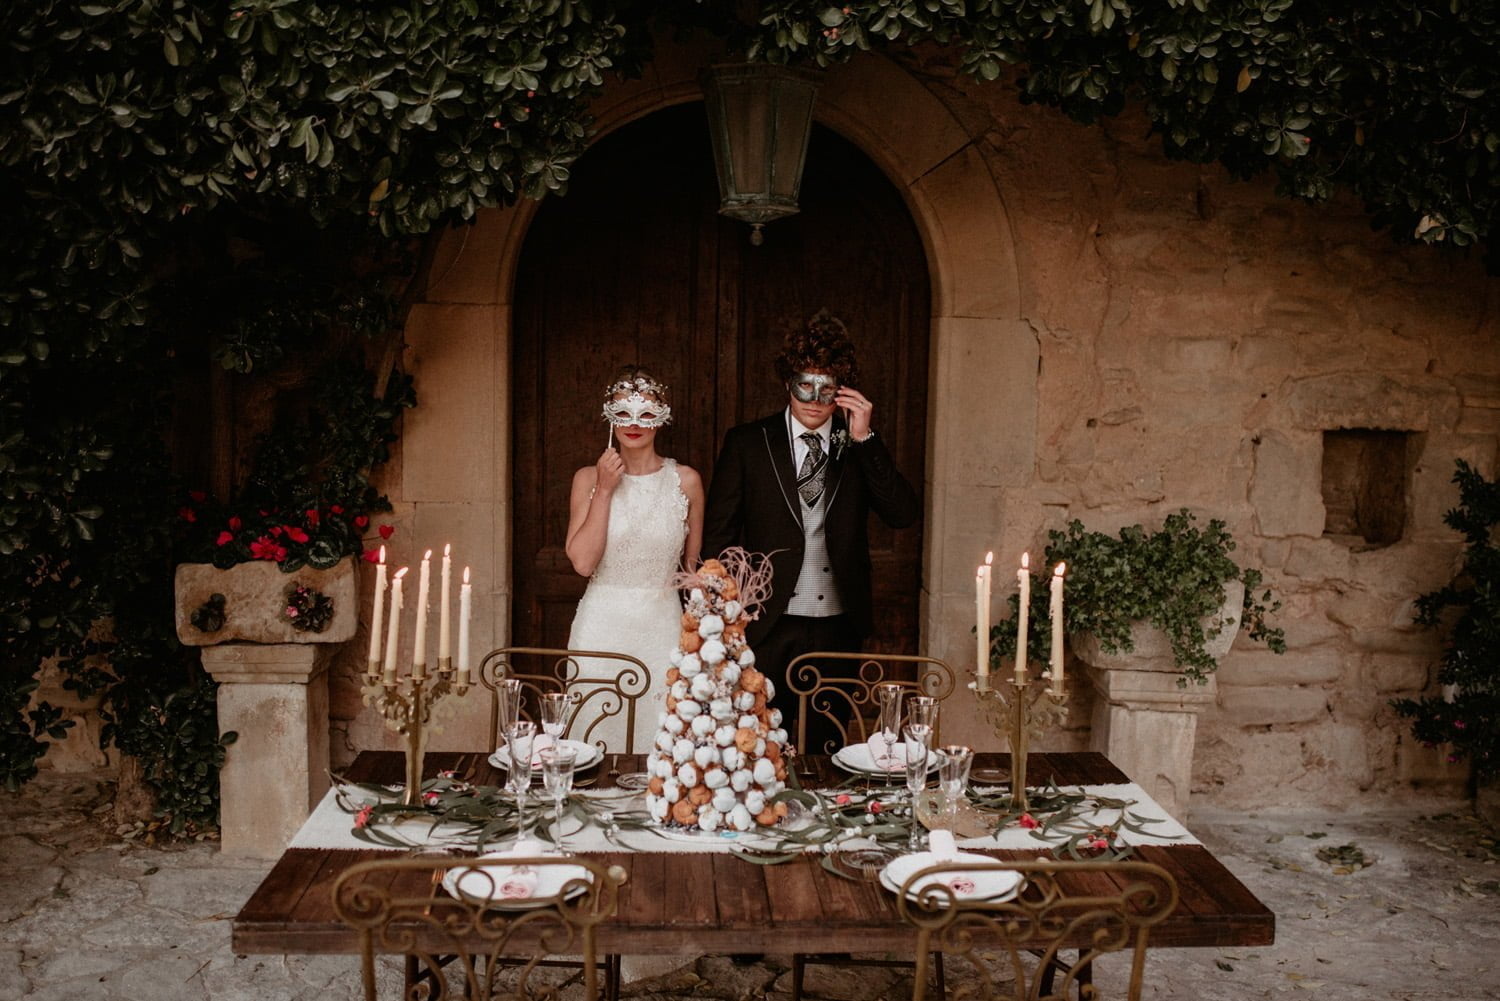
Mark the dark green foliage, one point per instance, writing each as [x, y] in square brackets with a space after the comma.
[1469, 607]
[1173, 578]
[185, 181]
[209, 616]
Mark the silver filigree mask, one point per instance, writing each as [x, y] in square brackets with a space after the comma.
[626, 404]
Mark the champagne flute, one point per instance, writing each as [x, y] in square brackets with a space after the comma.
[558, 763]
[889, 726]
[508, 700]
[918, 740]
[518, 738]
[922, 710]
[953, 775]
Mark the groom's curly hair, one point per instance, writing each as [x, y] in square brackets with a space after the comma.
[822, 344]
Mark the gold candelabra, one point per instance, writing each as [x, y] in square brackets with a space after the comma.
[410, 713]
[1016, 715]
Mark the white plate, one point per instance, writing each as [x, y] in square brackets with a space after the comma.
[992, 886]
[857, 758]
[588, 755]
[479, 883]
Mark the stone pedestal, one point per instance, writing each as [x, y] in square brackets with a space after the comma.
[275, 696]
[1145, 724]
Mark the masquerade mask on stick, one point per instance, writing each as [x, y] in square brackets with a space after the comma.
[810, 388]
[626, 404]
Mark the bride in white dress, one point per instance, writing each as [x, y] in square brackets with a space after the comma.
[635, 518]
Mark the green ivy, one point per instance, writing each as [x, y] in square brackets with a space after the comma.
[242, 182]
[1173, 578]
[1469, 610]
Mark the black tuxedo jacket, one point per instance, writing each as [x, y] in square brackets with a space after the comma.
[753, 502]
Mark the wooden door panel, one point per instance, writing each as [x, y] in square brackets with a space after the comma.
[635, 265]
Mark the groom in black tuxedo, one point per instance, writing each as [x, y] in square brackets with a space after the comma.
[800, 484]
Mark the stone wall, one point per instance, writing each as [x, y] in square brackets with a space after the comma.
[1198, 337]
[1192, 339]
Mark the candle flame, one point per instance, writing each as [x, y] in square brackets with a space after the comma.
[427, 556]
[466, 575]
[1059, 570]
[401, 573]
[1025, 561]
[447, 548]
[989, 558]
[382, 555]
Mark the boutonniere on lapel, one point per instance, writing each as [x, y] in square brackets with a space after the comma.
[840, 440]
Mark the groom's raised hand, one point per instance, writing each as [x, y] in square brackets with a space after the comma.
[857, 411]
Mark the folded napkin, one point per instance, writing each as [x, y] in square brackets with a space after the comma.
[943, 848]
[502, 882]
[540, 743]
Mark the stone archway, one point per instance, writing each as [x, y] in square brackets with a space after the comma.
[452, 480]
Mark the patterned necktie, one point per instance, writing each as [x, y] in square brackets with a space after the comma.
[810, 478]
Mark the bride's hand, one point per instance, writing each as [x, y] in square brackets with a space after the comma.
[608, 471]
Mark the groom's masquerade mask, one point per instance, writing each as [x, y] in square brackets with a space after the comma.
[633, 409]
[808, 387]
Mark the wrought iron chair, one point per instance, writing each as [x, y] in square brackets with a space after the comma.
[1011, 948]
[608, 685]
[847, 702]
[471, 948]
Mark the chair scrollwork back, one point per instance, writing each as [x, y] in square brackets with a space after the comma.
[848, 701]
[398, 906]
[607, 685]
[1010, 948]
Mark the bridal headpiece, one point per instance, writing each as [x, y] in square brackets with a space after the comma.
[626, 403]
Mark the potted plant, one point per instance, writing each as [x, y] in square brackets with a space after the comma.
[1179, 581]
[1149, 612]
[1469, 606]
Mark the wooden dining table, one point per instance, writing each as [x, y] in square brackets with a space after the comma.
[692, 903]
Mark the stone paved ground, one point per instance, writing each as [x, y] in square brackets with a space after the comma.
[87, 915]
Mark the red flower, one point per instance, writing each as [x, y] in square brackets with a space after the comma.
[361, 521]
[429, 798]
[842, 799]
[1459, 724]
[875, 806]
[386, 531]
[198, 496]
[264, 549]
[291, 611]
[276, 531]
[224, 539]
[235, 523]
[371, 556]
[1028, 821]
[363, 816]
[296, 534]
[337, 509]
[187, 514]
[312, 516]
[1099, 844]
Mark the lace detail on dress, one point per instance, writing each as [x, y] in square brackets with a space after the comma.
[647, 529]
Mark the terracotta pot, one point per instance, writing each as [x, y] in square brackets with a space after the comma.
[255, 598]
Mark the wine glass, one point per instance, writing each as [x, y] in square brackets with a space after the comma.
[518, 739]
[953, 776]
[558, 763]
[918, 741]
[889, 726]
[557, 709]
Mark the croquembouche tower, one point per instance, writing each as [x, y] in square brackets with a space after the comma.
[719, 756]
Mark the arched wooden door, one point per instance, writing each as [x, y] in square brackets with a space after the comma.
[634, 264]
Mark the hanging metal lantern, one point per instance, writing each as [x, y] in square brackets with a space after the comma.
[760, 118]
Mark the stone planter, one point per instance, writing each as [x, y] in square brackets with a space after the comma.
[273, 692]
[254, 601]
[1143, 721]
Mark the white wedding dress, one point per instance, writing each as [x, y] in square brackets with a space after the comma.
[630, 605]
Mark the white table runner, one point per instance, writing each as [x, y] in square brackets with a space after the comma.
[331, 826]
